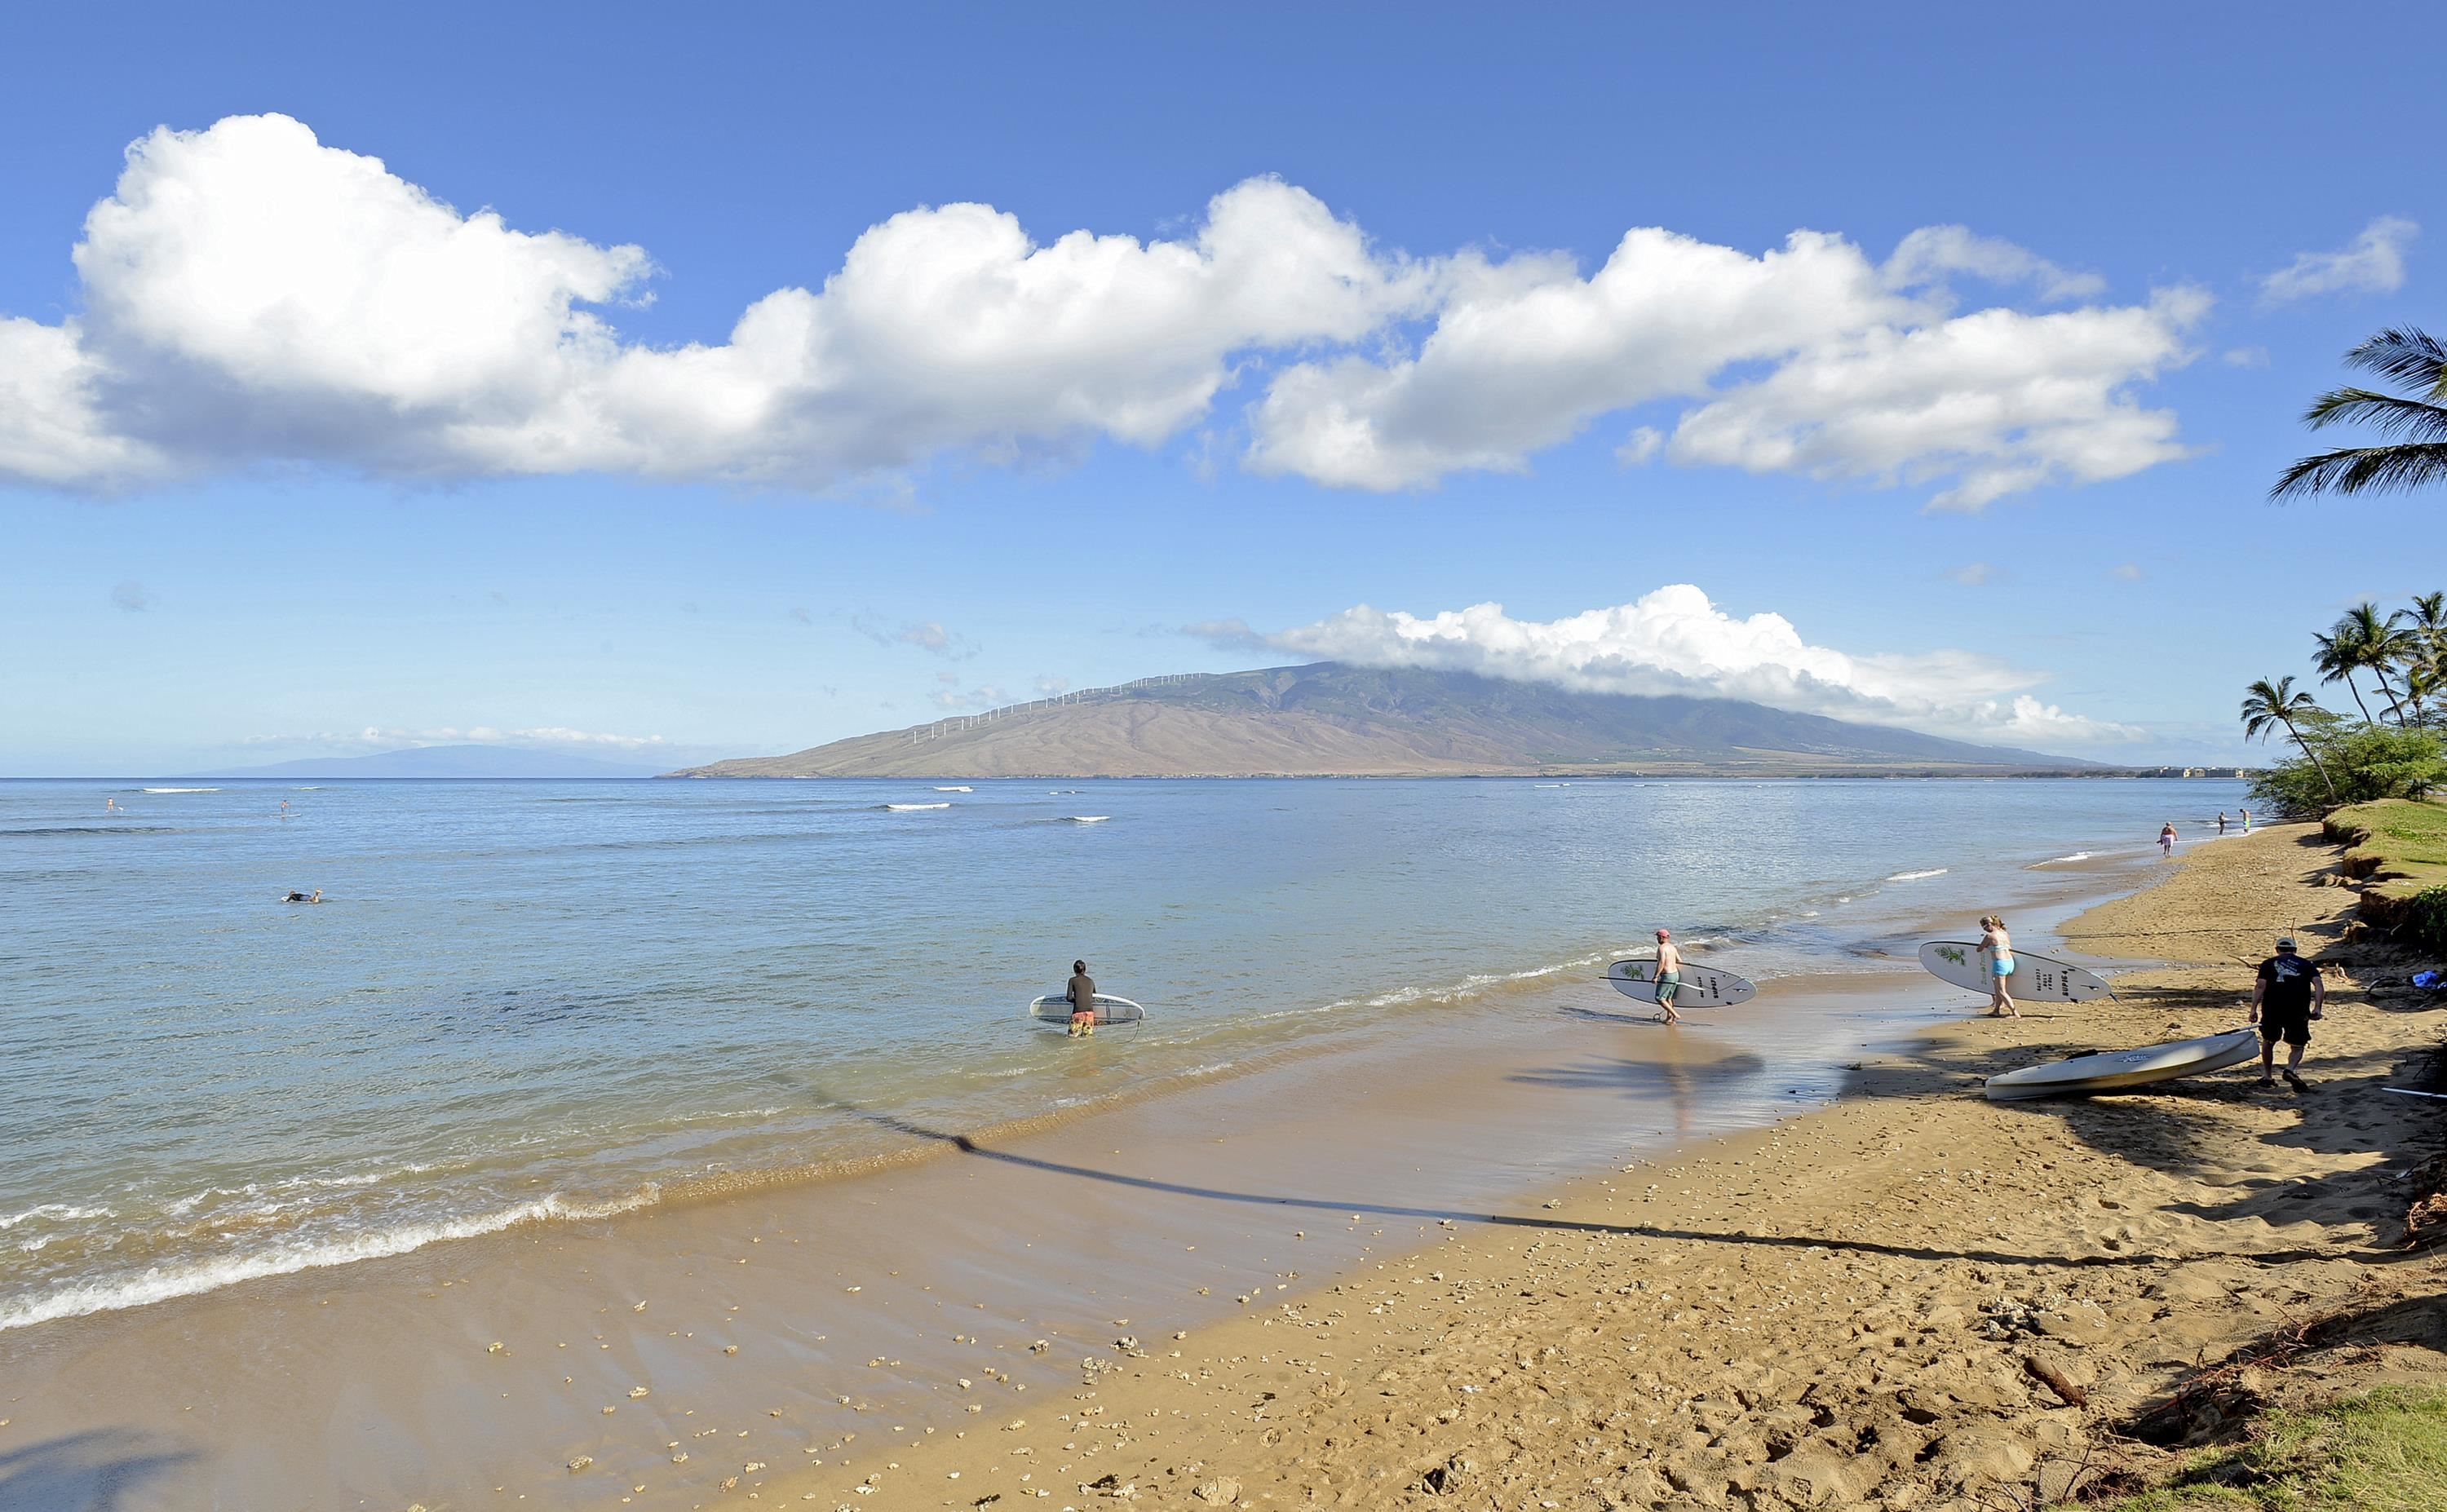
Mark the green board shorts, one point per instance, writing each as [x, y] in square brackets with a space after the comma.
[1669, 986]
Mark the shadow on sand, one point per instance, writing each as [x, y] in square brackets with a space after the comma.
[98, 1471]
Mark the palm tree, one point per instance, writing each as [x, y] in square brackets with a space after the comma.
[2381, 644]
[2340, 657]
[2426, 663]
[2267, 705]
[2416, 427]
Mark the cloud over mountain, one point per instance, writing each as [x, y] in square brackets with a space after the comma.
[1674, 640]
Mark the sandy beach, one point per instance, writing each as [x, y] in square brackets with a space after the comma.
[1913, 1298]
[1544, 1252]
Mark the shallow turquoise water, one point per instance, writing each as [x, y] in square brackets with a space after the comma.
[525, 1000]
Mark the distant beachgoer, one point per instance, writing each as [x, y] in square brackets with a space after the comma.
[109, 804]
[284, 808]
[1083, 1000]
[1998, 947]
[1669, 975]
[2286, 995]
[297, 896]
[2220, 821]
[2166, 839]
[2246, 822]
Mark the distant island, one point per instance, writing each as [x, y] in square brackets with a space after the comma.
[1330, 720]
[444, 760]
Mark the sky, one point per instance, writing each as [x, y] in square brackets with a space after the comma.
[668, 387]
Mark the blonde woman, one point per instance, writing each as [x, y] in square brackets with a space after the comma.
[1996, 949]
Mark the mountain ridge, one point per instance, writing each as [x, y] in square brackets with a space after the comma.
[1330, 720]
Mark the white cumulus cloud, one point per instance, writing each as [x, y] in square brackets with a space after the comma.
[2371, 263]
[1674, 640]
[250, 294]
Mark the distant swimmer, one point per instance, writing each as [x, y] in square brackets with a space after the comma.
[1997, 946]
[1669, 975]
[1083, 1000]
[296, 896]
[110, 806]
[2166, 839]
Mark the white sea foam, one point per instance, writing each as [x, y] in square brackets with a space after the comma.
[179, 789]
[911, 808]
[1913, 877]
[956, 789]
[63, 1212]
[160, 1283]
[1086, 818]
[2061, 861]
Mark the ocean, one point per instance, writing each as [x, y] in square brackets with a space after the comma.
[529, 1002]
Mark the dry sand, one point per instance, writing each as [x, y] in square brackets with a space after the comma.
[1913, 1298]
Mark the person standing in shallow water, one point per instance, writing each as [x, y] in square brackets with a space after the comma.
[1996, 949]
[1083, 1000]
[2166, 839]
[1669, 975]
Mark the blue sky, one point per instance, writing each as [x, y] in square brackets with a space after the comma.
[1392, 374]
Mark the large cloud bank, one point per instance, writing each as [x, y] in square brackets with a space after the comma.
[250, 294]
[1674, 640]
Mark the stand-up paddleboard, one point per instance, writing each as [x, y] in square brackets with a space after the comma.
[2119, 1070]
[2036, 978]
[1702, 986]
[1054, 1007]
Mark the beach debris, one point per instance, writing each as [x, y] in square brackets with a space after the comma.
[494, 1348]
[1554, 1204]
[640, 1308]
[2049, 1374]
[1039, 1346]
[637, 1392]
[1222, 1491]
[730, 1349]
[581, 1463]
[751, 1467]
[964, 1382]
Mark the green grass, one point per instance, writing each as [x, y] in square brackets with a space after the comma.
[2410, 838]
[2383, 1451]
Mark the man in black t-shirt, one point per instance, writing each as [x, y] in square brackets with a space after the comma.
[2284, 1001]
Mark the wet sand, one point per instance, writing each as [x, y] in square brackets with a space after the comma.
[792, 1342]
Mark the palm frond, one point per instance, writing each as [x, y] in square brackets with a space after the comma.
[2410, 355]
[2365, 469]
[2390, 415]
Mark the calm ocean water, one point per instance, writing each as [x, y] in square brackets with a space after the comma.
[524, 1001]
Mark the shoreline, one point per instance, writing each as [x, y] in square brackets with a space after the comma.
[1800, 947]
[368, 1383]
[304, 1387]
[1862, 1305]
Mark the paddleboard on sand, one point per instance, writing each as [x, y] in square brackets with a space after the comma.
[1702, 986]
[2119, 1070]
[1055, 1008]
[2036, 978]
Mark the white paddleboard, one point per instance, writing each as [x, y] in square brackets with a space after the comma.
[1054, 1007]
[2036, 978]
[1702, 986]
[2117, 1071]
